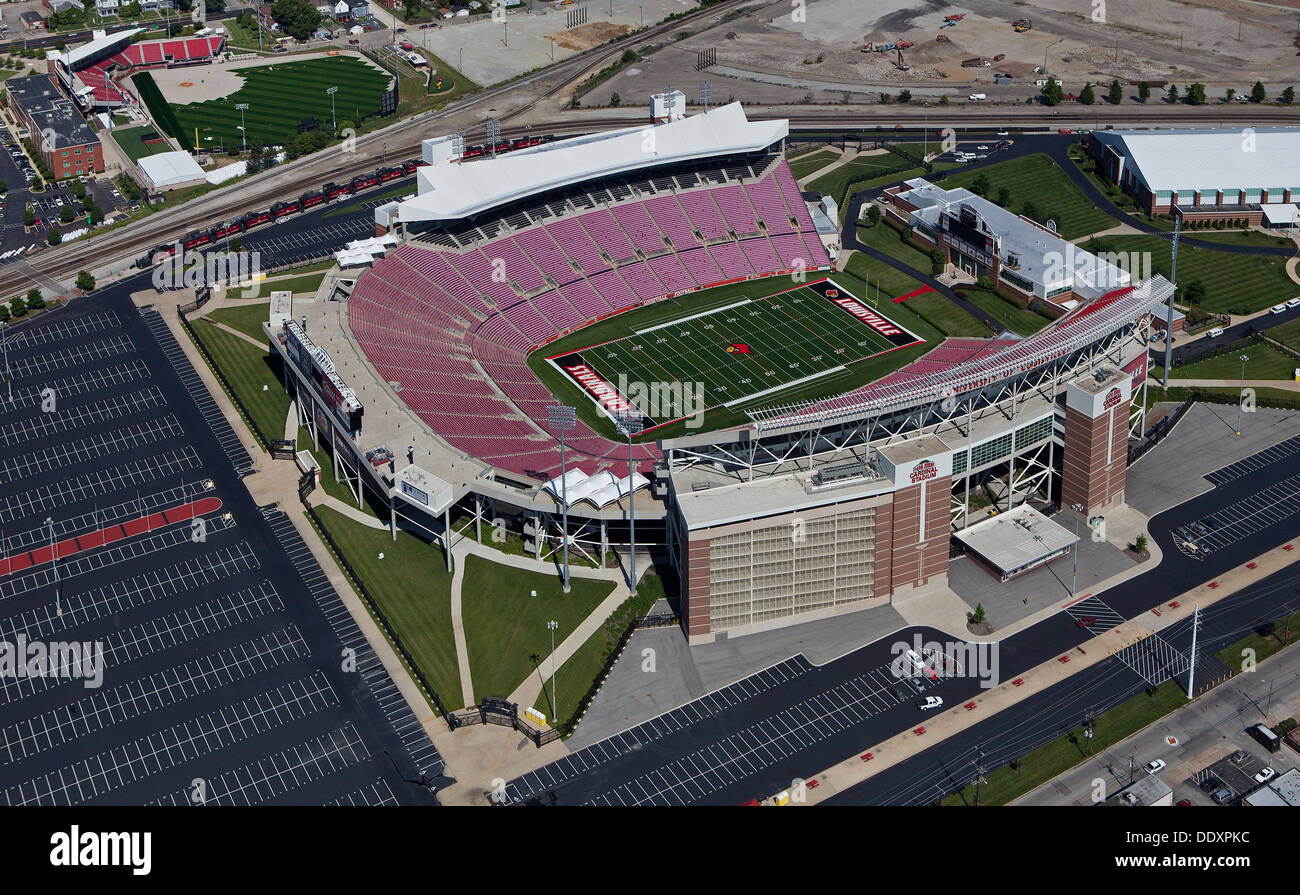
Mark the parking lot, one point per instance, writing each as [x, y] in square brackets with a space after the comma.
[125, 532]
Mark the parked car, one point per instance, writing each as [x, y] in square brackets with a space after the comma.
[1214, 333]
[916, 684]
[929, 702]
[1265, 775]
[1211, 784]
[1154, 767]
[1224, 795]
[1277, 309]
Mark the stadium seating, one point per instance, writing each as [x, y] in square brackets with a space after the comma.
[420, 314]
[101, 77]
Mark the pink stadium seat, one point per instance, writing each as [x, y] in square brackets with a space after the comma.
[538, 245]
[586, 299]
[614, 290]
[575, 242]
[672, 221]
[642, 280]
[730, 259]
[703, 213]
[608, 235]
[735, 206]
[701, 266]
[670, 271]
[640, 227]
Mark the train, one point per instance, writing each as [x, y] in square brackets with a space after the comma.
[330, 192]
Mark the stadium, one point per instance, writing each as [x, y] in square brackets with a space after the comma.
[793, 451]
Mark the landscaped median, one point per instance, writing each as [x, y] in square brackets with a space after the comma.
[1053, 758]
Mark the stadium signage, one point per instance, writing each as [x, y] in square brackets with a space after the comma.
[606, 396]
[1113, 397]
[923, 471]
[317, 367]
[897, 336]
[411, 491]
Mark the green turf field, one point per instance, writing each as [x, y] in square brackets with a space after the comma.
[281, 94]
[1036, 179]
[735, 355]
[132, 144]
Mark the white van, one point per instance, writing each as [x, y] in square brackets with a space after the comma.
[1214, 333]
[1277, 309]
[977, 97]
[1293, 303]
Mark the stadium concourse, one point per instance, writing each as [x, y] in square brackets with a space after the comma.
[414, 364]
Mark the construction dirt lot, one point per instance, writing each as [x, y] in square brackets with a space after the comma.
[1221, 43]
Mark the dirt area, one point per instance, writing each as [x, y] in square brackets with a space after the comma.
[587, 36]
[220, 79]
[1140, 40]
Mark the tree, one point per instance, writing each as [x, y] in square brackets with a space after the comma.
[1004, 196]
[412, 8]
[54, 237]
[1257, 93]
[94, 215]
[85, 281]
[937, 259]
[87, 202]
[873, 214]
[4, 314]
[1140, 544]
[1288, 96]
[980, 186]
[978, 615]
[1196, 94]
[615, 100]
[1194, 293]
[132, 11]
[297, 18]
[1029, 210]
[1144, 92]
[66, 214]
[78, 189]
[18, 306]
[1087, 96]
[29, 216]
[904, 96]
[1229, 94]
[1052, 92]
[1172, 95]
[1116, 93]
[34, 299]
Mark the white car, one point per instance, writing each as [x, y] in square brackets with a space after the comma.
[930, 702]
[1265, 775]
[1293, 303]
[1004, 133]
[1154, 767]
[1277, 309]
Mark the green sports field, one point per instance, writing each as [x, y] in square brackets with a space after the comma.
[279, 95]
[735, 355]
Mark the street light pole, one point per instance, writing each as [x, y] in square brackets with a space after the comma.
[631, 423]
[331, 91]
[562, 418]
[1241, 391]
[54, 560]
[242, 131]
[1074, 582]
[554, 710]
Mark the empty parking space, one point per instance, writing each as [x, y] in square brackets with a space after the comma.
[189, 635]
[1278, 453]
[1240, 520]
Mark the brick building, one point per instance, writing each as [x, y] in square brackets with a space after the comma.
[55, 126]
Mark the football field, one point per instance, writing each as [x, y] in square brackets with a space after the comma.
[744, 351]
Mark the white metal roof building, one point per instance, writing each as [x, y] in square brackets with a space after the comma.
[170, 170]
[1203, 167]
[1032, 258]
[448, 191]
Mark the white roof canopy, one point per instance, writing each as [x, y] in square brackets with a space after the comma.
[1211, 158]
[450, 191]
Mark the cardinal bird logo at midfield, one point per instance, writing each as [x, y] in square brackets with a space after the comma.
[832, 293]
[738, 348]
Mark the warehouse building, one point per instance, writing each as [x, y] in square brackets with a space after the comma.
[1204, 173]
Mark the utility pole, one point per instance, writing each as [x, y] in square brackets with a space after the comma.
[1074, 582]
[562, 418]
[1191, 665]
[631, 423]
[554, 709]
[54, 560]
[979, 771]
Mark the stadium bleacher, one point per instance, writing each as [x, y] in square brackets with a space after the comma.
[424, 314]
[101, 77]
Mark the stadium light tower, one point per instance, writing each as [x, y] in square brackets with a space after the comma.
[1241, 392]
[631, 423]
[243, 133]
[54, 560]
[493, 133]
[331, 91]
[562, 418]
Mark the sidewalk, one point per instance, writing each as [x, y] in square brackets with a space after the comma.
[892, 752]
[1285, 384]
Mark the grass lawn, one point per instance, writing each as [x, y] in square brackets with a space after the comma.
[505, 625]
[862, 173]
[946, 316]
[413, 590]
[1013, 317]
[574, 678]
[1264, 397]
[1036, 179]
[1050, 760]
[807, 164]
[304, 283]
[280, 94]
[130, 139]
[253, 374]
[1263, 646]
[248, 319]
[1234, 284]
[885, 238]
[1287, 333]
[1239, 238]
[1266, 362]
[876, 273]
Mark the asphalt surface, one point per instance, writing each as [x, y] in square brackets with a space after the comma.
[755, 737]
[232, 672]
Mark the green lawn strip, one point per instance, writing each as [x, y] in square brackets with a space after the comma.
[1262, 646]
[159, 109]
[132, 143]
[1286, 333]
[248, 319]
[1264, 396]
[1036, 179]
[1054, 758]
[1234, 283]
[807, 164]
[306, 283]
[872, 183]
[253, 374]
[1013, 317]
[333, 487]
[1239, 238]
[862, 173]
[946, 316]
[876, 273]
[575, 677]
[884, 238]
[505, 625]
[412, 588]
[1266, 362]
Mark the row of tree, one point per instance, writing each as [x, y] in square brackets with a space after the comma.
[1193, 95]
